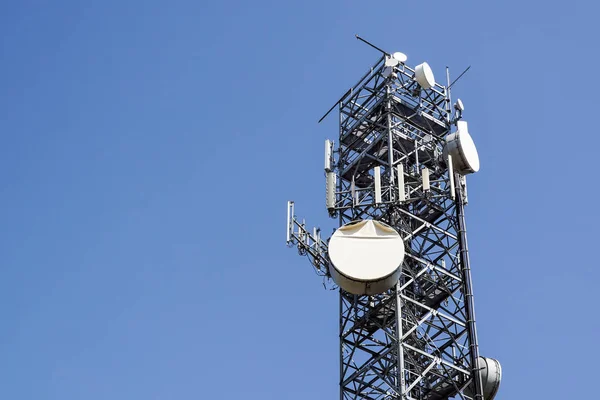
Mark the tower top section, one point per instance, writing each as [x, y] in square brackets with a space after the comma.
[416, 95]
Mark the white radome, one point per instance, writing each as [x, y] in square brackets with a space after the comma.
[401, 57]
[424, 76]
[460, 145]
[391, 62]
[366, 257]
[491, 376]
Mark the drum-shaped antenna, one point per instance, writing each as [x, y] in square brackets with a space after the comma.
[366, 257]
[401, 57]
[424, 76]
[491, 375]
[461, 147]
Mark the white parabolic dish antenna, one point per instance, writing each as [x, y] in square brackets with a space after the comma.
[401, 57]
[391, 62]
[424, 76]
[491, 375]
[461, 147]
[366, 257]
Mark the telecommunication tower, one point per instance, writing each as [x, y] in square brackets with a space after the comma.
[396, 180]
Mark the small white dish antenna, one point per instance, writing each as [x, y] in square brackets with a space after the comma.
[459, 105]
[391, 62]
[366, 257]
[424, 76]
[460, 145]
[401, 57]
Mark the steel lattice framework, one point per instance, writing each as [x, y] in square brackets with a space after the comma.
[417, 340]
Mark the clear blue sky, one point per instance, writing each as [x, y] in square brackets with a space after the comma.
[149, 148]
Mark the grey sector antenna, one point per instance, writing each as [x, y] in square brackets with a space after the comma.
[396, 183]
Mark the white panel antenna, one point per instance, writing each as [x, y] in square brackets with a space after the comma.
[401, 189]
[330, 181]
[328, 153]
[425, 177]
[377, 175]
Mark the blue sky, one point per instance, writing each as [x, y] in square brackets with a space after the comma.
[149, 148]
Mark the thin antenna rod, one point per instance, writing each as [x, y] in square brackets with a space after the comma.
[350, 90]
[460, 76]
[372, 45]
[449, 98]
[336, 103]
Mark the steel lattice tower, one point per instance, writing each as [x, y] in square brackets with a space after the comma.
[417, 340]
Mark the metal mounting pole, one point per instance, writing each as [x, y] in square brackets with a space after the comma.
[468, 283]
[399, 332]
[390, 139]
